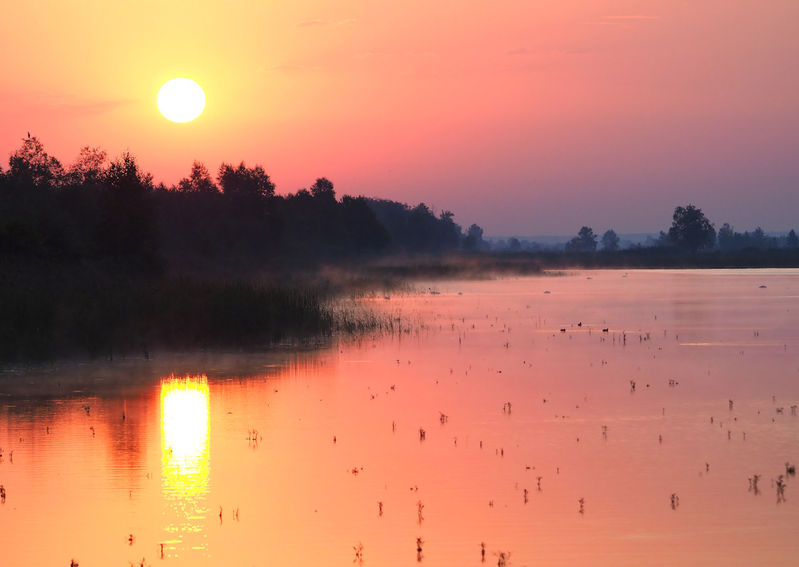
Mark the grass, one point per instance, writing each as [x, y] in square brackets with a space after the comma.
[44, 319]
[50, 311]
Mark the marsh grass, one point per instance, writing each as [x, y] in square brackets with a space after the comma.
[104, 317]
[350, 318]
[51, 311]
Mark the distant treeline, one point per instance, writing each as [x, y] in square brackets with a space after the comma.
[112, 215]
[691, 232]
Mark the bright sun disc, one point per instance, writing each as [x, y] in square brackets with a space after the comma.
[180, 100]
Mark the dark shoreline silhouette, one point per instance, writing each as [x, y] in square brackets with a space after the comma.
[97, 260]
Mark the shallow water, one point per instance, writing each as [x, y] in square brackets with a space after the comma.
[286, 458]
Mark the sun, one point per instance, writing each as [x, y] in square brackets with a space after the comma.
[180, 100]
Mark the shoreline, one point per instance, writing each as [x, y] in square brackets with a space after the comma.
[51, 314]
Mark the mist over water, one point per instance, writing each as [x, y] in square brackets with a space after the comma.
[592, 418]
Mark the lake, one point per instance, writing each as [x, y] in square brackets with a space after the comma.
[587, 418]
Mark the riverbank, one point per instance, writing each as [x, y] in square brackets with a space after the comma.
[49, 312]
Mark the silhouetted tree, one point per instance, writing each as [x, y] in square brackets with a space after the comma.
[691, 230]
[199, 181]
[196, 222]
[128, 226]
[449, 233]
[585, 241]
[245, 182]
[514, 244]
[760, 240]
[124, 174]
[663, 240]
[726, 237]
[474, 238]
[31, 166]
[35, 209]
[729, 240]
[323, 189]
[89, 167]
[610, 241]
[394, 217]
[252, 225]
[362, 231]
[791, 241]
[422, 228]
[417, 229]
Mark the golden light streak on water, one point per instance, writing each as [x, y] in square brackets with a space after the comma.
[185, 428]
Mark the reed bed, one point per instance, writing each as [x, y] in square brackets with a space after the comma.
[110, 317]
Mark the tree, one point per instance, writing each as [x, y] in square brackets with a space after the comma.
[691, 230]
[125, 175]
[245, 182]
[421, 226]
[449, 232]
[726, 237]
[31, 166]
[199, 181]
[89, 167]
[363, 231]
[610, 241]
[128, 229]
[759, 238]
[663, 240]
[585, 241]
[323, 189]
[474, 238]
[791, 241]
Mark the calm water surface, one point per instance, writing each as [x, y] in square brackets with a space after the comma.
[545, 451]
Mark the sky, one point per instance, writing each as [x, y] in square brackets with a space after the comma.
[526, 117]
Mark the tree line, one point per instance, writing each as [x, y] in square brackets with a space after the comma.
[690, 232]
[110, 213]
[96, 258]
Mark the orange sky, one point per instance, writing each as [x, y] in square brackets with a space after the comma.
[527, 117]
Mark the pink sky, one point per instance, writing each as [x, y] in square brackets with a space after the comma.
[527, 117]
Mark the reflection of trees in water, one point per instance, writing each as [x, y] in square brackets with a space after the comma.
[127, 424]
[41, 417]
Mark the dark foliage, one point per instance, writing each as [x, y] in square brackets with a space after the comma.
[729, 240]
[317, 226]
[418, 230]
[610, 241]
[691, 230]
[111, 216]
[585, 241]
[474, 238]
[97, 259]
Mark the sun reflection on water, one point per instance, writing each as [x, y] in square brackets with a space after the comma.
[185, 459]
